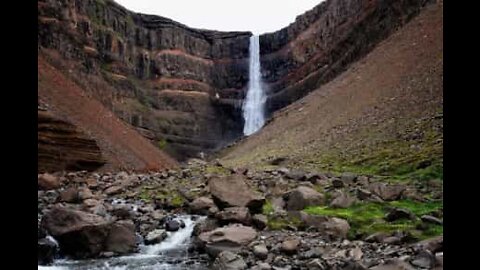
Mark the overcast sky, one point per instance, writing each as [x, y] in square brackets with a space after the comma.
[257, 16]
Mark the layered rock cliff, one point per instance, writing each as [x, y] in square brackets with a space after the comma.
[61, 146]
[183, 88]
[324, 41]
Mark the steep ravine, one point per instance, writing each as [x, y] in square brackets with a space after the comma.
[183, 88]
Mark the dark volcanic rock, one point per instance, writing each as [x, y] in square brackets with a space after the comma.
[121, 237]
[172, 225]
[399, 213]
[80, 234]
[47, 250]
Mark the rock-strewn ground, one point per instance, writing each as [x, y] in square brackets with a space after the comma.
[277, 219]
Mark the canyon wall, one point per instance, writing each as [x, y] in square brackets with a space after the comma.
[180, 87]
[324, 41]
[183, 88]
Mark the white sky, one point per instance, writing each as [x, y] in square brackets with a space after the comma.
[257, 16]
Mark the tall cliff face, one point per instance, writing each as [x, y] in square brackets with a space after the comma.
[324, 41]
[181, 87]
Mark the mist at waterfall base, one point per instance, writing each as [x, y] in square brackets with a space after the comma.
[254, 104]
[172, 254]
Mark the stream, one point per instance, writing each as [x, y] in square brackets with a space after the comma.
[172, 253]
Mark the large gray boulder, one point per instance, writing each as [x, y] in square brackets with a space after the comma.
[229, 238]
[234, 215]
[330, 226]
[81, 234]
[302, 197]
[231, 191]
[387, 192]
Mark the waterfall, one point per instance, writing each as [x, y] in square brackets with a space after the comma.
[254, 104]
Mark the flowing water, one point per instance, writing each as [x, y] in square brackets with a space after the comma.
[254, 104]
[172, 253]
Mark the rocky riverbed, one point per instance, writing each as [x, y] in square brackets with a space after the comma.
[206, 216]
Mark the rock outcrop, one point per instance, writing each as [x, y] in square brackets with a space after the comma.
[324, 41]
[62, 146]
[180, 87]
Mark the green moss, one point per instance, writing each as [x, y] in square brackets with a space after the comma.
[217, 170]
[267, 208]
[417, 208]
[280, 223]
[368, 218]
[162, 144]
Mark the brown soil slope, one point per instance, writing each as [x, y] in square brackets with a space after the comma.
[121, 145]
[382, 116]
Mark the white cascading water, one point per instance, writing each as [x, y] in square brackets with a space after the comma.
[254, 104]
[175, 240]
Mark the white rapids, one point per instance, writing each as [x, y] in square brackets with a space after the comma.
[171, 254]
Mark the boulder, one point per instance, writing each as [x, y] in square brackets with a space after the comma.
[47, 250]
[377, 237]
[302, 197]
[204, 226]
[260, 251]
[431, 219]
[337, 183]
[84, 193]
[90, 203]
[172, 225]
[69, 195]
[232, 190]
[424, 259]
[290, 246]
[434, 244]
[342, 200]
[122, 211]
[121, 237]
[234, 215]
[399, 213]
[363, 194]
[201, 206]
[260, 221]
[112, 190]
[387, 192]
[230, 238]
[48, 181]
[296, 175]
[330, 226]
[348, 178]
[155, 237]
[80, 234]
[227, 260]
